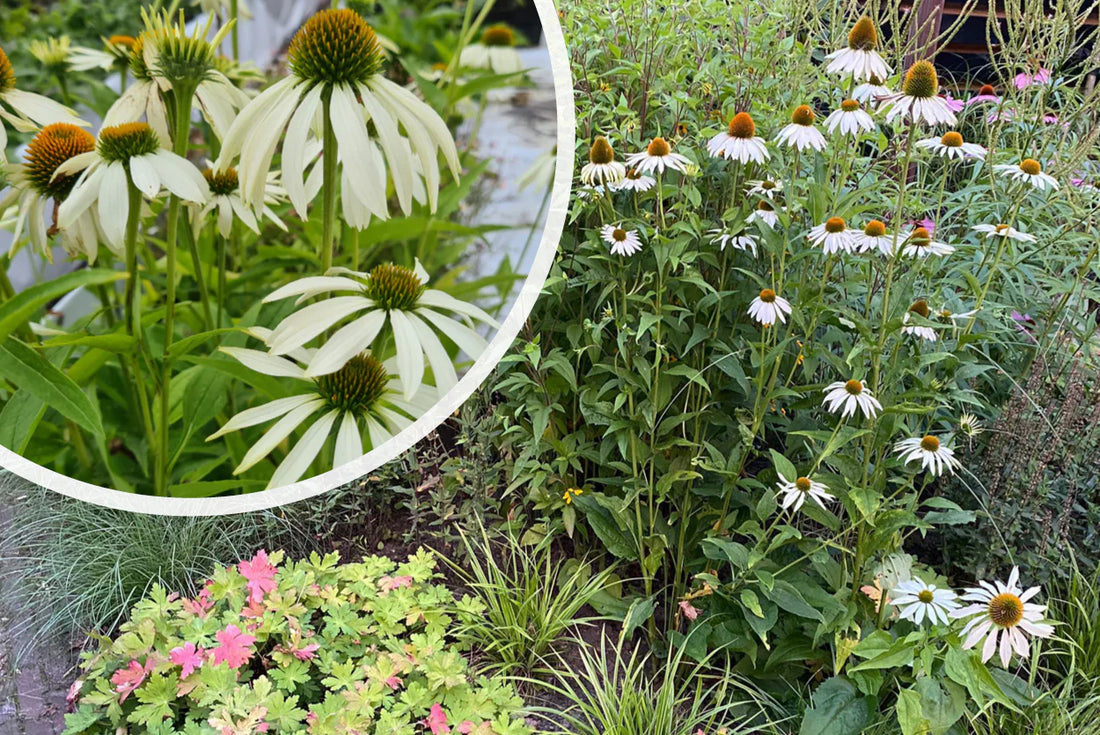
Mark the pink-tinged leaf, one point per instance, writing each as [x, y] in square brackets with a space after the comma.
[188, 657]
[690, 611]
[394, 682]
[254, 609]
[389, 584]
[200, 605]
[235, 649]
[465, 727]
[305, 653]
[128, 679]
[74, 692]
[436, 721]
[260, 575]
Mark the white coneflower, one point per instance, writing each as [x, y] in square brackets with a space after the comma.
[947, 315]
[800, 132]
[495, 51]
[388, 295]
[602, 168]
[872, 92]
[225, 199]
[795, 493]
[622, 241]
[26, 111]
[920, 244]
[770, 188]
[52, 53]
[930, 452]
[335, 63]
[919, 100]
[739, 142]
[833, 236]
[34, 187]
[656, 158]
[859, 59]
[357, 397]
[850, 119]
[970, 426]
[769, 308]
[1028, 171]
[166, 59]
[1003, 610]
[874, 237]
[636, 182]
[920, 309]
[1003, 230]
[845, 398]
[738, 241]
[952, 146]
[115, 54]
[125, 153]
[764, 213]
[916, 601]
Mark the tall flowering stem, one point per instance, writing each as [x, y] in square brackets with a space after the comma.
[132, 309]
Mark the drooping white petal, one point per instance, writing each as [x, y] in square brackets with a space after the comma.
[295, 150]
[262, 362]
[469, 341]
[144, 175]
[262, 414]
[349, 442]
[279, 430]
[442, 368]
[410, 355]
[299, 458]
[346, 343]
[442, 300]
[114, 202]
[305, 324]
[312, 286]
[179, 176]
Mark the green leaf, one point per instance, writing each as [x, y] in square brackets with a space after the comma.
[784, 466]
[641, 610]
[213, 487]
[882, 651]
[837, 709]
[18, 310]
[33, 373]
[18, 420]
[110, 342]
[787, 596]
[605, 526]
[942, 703]
[908, 709]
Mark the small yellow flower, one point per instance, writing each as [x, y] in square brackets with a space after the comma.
[570, 494]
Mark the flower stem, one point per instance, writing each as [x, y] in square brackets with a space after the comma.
[328, 204]
[132, 312]
[234, 39]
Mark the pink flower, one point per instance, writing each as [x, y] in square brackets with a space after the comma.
[235, 649]
[465, 727]
[690, 611]
[1024, 80]
[953, 104]
[128, 679]
[305, 653]
[394, 682]
[254, 609]
[436, 721]
[262, 727]
[388, 584]
[260, 575]
[187, 656]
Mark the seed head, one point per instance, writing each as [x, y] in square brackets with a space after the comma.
[767, 296]
[1006, 610]
[221, 182]
[601, 152]
[853, 387]
[498, 35]
[987, 90]
[50, 148]
[952, 139]
[925, 596]
[126, 141]
[803, 484]
[7, 74]
[874, 228]
[849, 105]
[1030, 166]
[834, 225]
[742, 126]
[802, 115]
[658, 147]
[930, 443]
[863, 36]
[335, 47]
[921, 81]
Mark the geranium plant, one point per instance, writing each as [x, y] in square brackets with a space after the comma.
[314, 646]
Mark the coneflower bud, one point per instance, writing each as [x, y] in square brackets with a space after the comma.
[863, 36]
[921, 81]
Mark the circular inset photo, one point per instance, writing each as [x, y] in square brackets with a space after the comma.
[254, 250]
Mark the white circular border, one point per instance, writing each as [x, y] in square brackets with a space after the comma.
[402, 442]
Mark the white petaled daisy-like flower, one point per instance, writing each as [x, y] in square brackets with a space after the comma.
[622, 241]
[1003, 230]
[795, 493]
[738, 241]
[358, 397]
[1003, 610]
[1028, 171]
[602, 168]
[970, 426]
[800, 133]
[919, 100]
[495, 51]
[52, 53]
[656, 158]
[920, 244]
[125, 154]
[846, 398]
[952, 146]
[947, 315]
[859, 59]
[114, 54]
[833, 236]
[636, 182]
[164, 58]
[27, 111]
[930, 452]
[916, 601]
[920, 309]
[739, 142]
[872, 92]
[335, 62]
[34, 187]
[874, 237]
[225, 199]
[850, 119]
[389, 295]
[765, 214]
[764, 187]
[769, 308]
